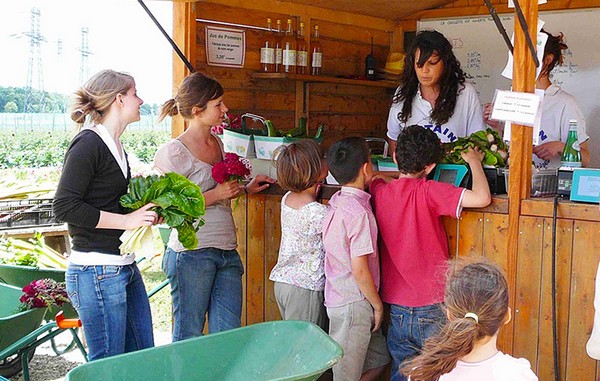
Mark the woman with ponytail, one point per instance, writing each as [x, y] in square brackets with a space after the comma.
[105, 287]
[208, 278]
[476, 300]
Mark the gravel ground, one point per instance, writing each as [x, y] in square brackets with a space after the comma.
[47, 366]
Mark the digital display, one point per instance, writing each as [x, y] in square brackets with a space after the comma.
[448, 176]
[589, 186]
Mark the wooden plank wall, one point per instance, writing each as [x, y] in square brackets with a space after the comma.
[344, 109]
[529, 335]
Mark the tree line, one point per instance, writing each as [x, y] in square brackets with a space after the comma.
[28, 100]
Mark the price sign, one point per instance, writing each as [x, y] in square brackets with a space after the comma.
[225, 46]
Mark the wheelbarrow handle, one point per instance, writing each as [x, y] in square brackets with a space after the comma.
[63, 323]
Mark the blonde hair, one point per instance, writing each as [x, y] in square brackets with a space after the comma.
[196, 90]
[299, 165]
[94, 98]
[476, 300]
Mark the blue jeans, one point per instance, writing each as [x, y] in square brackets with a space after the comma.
[113, 307]
[204, 280]
[409, 327]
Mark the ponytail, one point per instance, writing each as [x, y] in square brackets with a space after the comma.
[169, 108]
[441, 353]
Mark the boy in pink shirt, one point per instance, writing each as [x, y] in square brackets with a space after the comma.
[413, 244]
[352, 265]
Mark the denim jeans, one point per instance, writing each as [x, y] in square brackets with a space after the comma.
[113, 307]
[204, 280]
[409, 327]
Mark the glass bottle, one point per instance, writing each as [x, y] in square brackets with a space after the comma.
[301, 52]
[267, 51]
[316, 53]
[571, 156]
[288, 44]
[370, 64]
[278, 50]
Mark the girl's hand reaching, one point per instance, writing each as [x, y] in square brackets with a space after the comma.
[259, 183]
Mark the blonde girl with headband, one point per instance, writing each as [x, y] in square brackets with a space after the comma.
[208, 278]
[476, 300]
[299, 274]
[105, 288]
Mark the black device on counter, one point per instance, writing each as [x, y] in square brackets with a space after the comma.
[460, 175]
[565, 181]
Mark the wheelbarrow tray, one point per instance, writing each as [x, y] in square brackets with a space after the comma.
[278, 350]
[16, 325]
[21, 276]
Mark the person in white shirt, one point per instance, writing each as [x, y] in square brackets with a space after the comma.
[434, 92]
[558, 107]
[476, 300]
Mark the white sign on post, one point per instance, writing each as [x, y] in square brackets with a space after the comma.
[225, 46]
[516, 107]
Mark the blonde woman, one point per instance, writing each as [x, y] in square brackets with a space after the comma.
[105, 288]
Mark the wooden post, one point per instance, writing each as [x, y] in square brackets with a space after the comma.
[521, 141]
[184, 35]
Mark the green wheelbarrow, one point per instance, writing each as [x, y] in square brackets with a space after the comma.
[278, 350]
[22, 332]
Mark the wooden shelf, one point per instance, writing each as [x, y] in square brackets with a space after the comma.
[324, 79]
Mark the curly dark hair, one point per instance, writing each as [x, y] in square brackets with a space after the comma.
[416, 148]
[431, 42]
[555, 45]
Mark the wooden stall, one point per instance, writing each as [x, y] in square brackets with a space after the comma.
[515, 231]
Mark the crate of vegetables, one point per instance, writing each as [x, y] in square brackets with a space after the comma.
[495, 157]
[26, 213]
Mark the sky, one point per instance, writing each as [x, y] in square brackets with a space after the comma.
[121, 36]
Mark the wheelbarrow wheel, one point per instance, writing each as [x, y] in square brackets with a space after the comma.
[11, 366]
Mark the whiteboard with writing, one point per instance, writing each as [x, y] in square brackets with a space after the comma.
[483, 55]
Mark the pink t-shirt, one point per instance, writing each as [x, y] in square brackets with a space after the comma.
[500, 367]
[349, 231]
[413, 244]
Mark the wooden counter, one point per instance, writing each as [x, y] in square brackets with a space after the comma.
[480, 232]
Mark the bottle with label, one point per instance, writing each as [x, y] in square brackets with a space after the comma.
[571, 156]
[267, 51]
[370, 64]
[301, 52]
[288, 45]
[278, 50]
[316, 53]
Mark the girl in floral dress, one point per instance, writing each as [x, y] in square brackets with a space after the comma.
[299, 274]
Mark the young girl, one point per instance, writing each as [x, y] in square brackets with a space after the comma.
[207, 278]
[476, 300]
[299, 274]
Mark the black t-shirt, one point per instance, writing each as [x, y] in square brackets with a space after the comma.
[91, 181]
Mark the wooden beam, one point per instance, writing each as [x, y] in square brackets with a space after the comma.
[521, 140]
[340, 17]
[184, 35]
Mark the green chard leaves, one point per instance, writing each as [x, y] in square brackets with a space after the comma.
[495, 150]
[179, 201]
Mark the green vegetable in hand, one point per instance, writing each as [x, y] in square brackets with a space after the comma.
[179, 201]
[487, 141]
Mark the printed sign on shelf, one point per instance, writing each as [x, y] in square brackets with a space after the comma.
[225, 46]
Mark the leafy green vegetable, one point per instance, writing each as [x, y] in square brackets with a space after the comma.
[488, 141]
[180, 202]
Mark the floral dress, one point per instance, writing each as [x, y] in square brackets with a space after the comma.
[301, 252]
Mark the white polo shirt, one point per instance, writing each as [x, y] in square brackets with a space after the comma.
[558, 107]
[467, 117]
